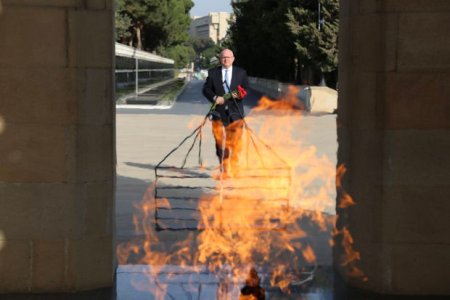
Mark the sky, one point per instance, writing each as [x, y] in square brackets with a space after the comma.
[203, 7]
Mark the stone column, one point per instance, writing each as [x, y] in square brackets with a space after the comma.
[56, 145]
[393, 131]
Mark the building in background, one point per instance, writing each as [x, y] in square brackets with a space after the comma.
[214, 26]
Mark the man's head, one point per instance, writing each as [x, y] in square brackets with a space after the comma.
[226, 58]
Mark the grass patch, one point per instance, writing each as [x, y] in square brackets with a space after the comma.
[174, 90]
[166, 95]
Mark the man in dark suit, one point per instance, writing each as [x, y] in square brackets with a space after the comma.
[227, 119]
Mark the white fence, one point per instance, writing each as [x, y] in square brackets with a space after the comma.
[136, 70]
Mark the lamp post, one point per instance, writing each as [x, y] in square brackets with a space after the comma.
[318, 15]
[320, 22]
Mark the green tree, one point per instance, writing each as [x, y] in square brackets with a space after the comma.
[314, 25]
[182, 54]
[138, 11]
[261, 39]
[157, 26]
[284, 39]
[207, 56]
[172, 31]
[200, 44]
[123, 25]
[205, 49]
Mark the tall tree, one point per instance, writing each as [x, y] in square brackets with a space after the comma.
[123, 24]
[286, 39]
[261, 39]
[173, 28]
[138, 11]
[205, 49]
[182, 54]
[159, 26]
[314, 24]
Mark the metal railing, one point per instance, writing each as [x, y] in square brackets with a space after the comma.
[137, 71]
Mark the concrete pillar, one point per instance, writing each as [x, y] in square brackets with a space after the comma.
[56, 145]
[393, 132]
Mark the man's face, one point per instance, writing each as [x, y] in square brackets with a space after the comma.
[226, 59]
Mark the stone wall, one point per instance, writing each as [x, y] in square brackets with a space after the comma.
[393, 132]
[56, 145]
[269, 87]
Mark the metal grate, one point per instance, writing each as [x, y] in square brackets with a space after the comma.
[179, 188]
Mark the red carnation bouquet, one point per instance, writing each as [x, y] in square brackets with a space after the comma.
[240, 93]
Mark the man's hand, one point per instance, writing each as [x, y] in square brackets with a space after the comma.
[220, 100]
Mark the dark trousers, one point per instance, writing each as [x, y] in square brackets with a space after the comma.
[228, 143]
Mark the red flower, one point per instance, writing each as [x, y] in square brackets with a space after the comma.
[240, 92]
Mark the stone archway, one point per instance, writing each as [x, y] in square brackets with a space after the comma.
[57, 144]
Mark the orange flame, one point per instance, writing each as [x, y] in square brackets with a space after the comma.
[345, 199]
[351, 257]
[256, 215]
[309, 255]
[255, 219]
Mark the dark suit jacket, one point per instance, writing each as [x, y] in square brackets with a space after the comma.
[232, 110]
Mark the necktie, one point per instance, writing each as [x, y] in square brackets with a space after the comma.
[227, 90]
